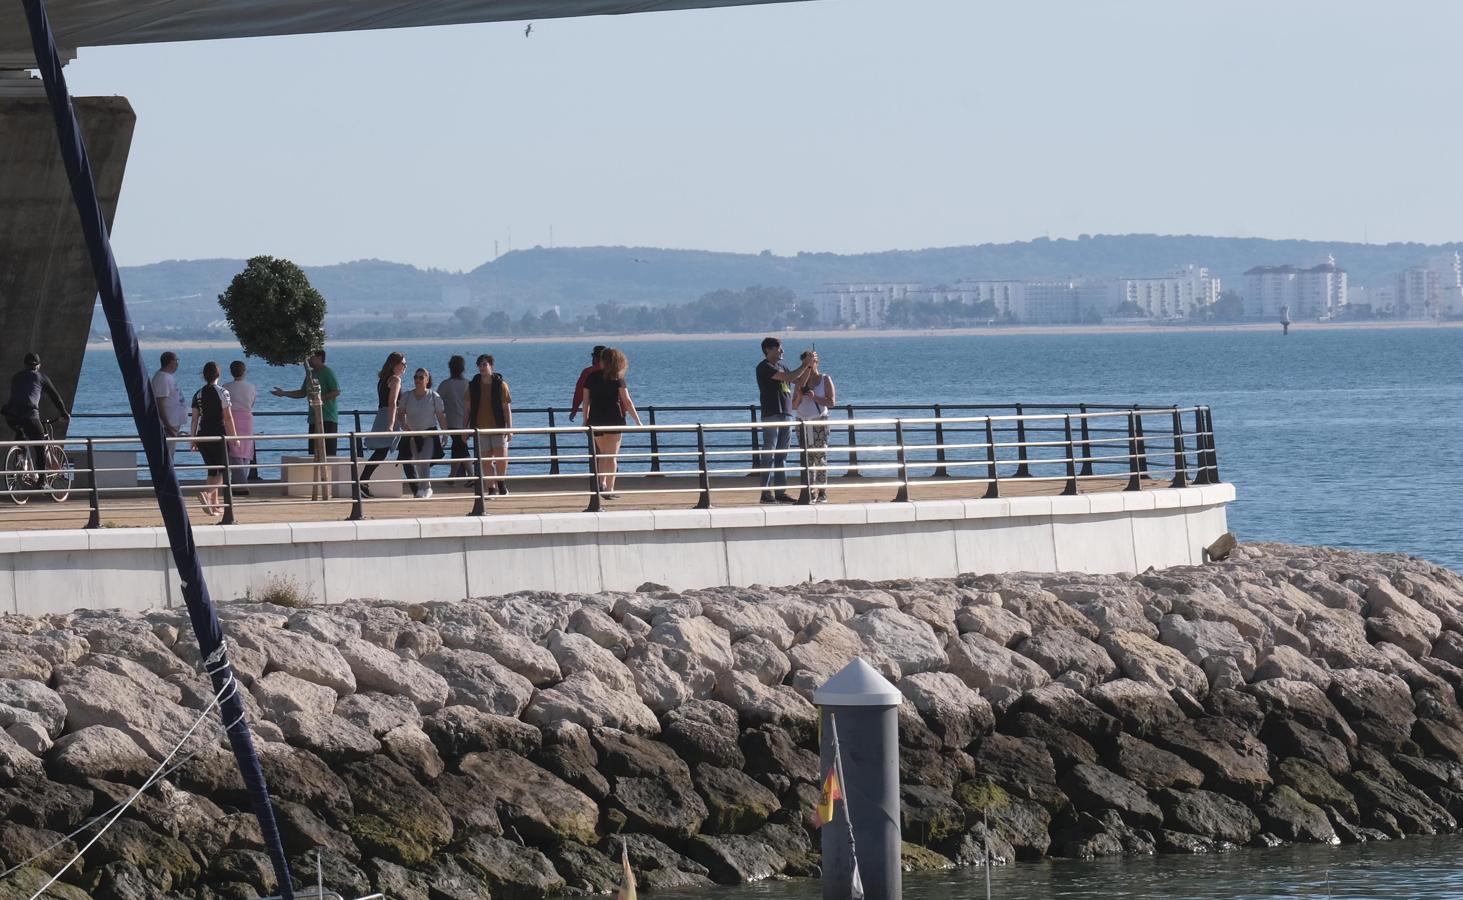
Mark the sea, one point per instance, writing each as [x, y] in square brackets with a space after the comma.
[1348, 437]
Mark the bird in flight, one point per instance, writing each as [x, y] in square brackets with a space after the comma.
[529, 30]
[638, 259]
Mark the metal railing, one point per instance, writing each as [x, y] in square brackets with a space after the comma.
[982, 447]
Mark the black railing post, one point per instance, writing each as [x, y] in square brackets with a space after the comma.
[1071, 489]
[553, 445]
[594, 497]
[1135, 474]
[853, 469]
[1201, 449]
[1142, 442]
[806, 497]
[1086, 442]
[1022, 470]
[356, 414]
[94, 494]
[228, 517]
[480, 487]
[358, 507]
[993, 488]
[654, 442]
[903, 495]
[1180, 464]
[940, 471]
[1213, 453]
[756, 437]
[704, 478]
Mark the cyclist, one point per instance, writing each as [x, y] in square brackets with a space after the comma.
[23, 410]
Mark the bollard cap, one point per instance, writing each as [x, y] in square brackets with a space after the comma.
[857, 684]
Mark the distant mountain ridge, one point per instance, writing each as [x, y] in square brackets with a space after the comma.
[577, 279]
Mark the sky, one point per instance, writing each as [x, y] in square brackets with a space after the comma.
[843, 126]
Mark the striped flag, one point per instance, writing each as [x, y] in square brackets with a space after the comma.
[627, 884]
[832, 792]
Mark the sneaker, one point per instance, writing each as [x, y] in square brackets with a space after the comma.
[783, 497]
[366, 492]
[610, 496]
[503, 488]
[767, 497]
[426, 493]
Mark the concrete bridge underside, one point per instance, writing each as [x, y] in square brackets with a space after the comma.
[47, 289]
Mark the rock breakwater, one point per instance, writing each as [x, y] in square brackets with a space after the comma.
[508, 745]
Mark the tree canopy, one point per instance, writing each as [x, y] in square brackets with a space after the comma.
[274, 312]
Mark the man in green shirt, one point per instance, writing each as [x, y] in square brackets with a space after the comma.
[329, 395]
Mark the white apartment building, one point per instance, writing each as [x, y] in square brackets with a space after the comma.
[1431, 291]
[1312, 293]
[1178, 294]
[859, 304]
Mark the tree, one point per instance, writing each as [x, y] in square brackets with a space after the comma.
[278, 317]
[468, 319]
[274, 312]
[1230, 307]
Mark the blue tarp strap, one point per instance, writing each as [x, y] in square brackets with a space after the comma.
[149, 427]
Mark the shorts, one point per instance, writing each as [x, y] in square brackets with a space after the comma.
[493, 442]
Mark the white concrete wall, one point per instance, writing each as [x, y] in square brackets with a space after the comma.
[450, 558]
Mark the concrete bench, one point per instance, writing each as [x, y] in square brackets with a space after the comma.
[298, 471]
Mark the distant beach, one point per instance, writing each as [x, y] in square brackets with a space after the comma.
[834, 334]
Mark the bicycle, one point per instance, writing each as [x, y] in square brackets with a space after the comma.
[21, 479]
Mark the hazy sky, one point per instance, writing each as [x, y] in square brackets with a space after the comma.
[834, 125]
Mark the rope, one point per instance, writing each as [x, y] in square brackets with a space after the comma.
[229, 688]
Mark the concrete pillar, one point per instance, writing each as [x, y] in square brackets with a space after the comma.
[861, 708]
[47, 289]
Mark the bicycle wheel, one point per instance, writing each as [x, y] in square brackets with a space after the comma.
[17, 466]
[60, 473]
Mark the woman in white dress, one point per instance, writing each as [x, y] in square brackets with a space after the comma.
[242, 395]
[812, 397]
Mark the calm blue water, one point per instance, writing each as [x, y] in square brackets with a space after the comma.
[1417, 868]
[1343, 437]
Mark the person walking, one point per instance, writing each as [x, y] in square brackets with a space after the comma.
[490, 406]
[811, 400]
[242, 396]
[22, 409]
[388, 390]
[329, 397]
[774, 387]
[421, 410]
[606, 401]
[453, 392]
[594, 366]
[169, 399]
[212, 418]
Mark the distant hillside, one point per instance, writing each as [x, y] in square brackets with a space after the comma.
[577, 279]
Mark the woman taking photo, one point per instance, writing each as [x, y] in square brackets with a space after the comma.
[606, 401]
[212, 418]
[388, 392]
[811, 398]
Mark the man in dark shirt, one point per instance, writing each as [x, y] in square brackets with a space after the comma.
[589, 370]
[23, 409]
[774, 384]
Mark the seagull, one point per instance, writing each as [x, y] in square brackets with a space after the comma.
[529, 30]
[638, 259]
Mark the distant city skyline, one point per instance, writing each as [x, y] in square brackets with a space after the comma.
[843, 126]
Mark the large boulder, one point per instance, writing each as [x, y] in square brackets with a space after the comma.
[98, 751]
[1141, 707]
[1288, 815]
[460, 730]
[280, 693]
[1232, 759]
[1200, 640]
[23, 699]
[97, 697]
[704, 731]
[1022, 768]
[394, 816]
[379, 669]
[1001, 675]
[1209, 814]
[1315, 784]
[908, 643]
[1398, 619]
[739, 859]
[742, 620]
[476, 679]
[995, 622]
[1292, 665]
[1378, 706]
[1149, 766]
[584, 699]
[705, 642]
[1068, 709]
[578, 653]
[1093, 788]
[300, 655]
[735, 802]
[1302, 702]
[953, 711]
[1062, 650]
[761, 704]
[1145, 660]
[539, 805]
[509, 870]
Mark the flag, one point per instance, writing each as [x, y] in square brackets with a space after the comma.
[627, 884]
[832, 792]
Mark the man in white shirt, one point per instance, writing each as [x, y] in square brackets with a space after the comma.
[170, 406]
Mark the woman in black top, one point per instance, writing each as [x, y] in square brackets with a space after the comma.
[212, 418]
[606, 401]
[388, 389]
